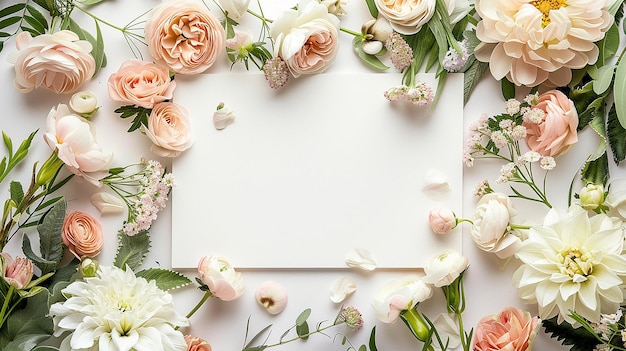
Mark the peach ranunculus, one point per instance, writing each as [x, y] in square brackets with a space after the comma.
[532, 42]
[556, 133]
[169, 128]
[16, 272]
[220, 276]
[59, 62]
[195, 343]
[82, 234]
[74, 139]
[184, 36]
[511, 329]
[141, 83]
[306, 38]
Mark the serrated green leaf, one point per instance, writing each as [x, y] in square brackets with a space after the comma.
[616, 135]
[596, 171]
[579, 338]
[17, 192]
[165, 279]
[304, 315]
[508, 89]
[22, 331]
[303, 330]
[370, 60]
[472, 77]
[619, 92]
[132, 250]
[371, 6]
[50, 239]
[603, 79]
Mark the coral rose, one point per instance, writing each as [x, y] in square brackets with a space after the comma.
[169, 128]
[556, 133]
[74, 139]
[82, 234]
[195, 343]
[141, 83]
[510, 330]
[532, 42]
[220, 276]
[306, 38]
[184, 36]
[59, 62]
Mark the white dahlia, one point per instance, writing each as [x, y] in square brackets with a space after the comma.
[117, 311]
[573, 262]
[536, 41]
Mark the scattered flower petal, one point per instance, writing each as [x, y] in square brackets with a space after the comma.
[272, 296]
[341, 288]
[223, 117]
[361, 258]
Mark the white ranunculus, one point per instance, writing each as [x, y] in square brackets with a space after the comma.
[573, 262]
[234, 8]
[74, 138]
[530, 43]
[490, 229]
[306, 38]
[399, 295]
[406, 17]
[84, 103]
[220, 276]
[616, 198]
[115, 310]
[444, 268]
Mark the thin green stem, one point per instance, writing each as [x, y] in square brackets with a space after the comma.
[259, 16]
[352, 32]
[98, 19]
[204, 298]
[5, 305]
[303, 336]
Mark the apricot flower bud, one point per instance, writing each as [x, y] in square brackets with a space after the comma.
[272, 296]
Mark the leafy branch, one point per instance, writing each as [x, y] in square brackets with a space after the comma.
[140, 115]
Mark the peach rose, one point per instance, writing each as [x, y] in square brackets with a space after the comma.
[74, 139]
[306, 38]
[169, 128]
[17, 272]
[195, 343]
[59, 62]
[82, 234]
[556, 133]
[511, 330]
[184, 36]
[141, 83]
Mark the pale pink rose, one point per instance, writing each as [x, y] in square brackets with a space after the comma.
[491, 225]
[169, 128]
[441, 220]
[195, 343]
[74, 139]
[557, 132]
[220, 276]
[82, 234]
[59, 62]
[141, 83]
[510, 330]
[184, 36]
[306, 38]
[406, 17]
[16, 272]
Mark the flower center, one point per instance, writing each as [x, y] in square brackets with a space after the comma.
[545, 6]
[574, 262]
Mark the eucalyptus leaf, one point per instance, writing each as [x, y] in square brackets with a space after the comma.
[131, 250]
[603, 79]
[304, 315]
[619, 92]
[165, 279]
[303, 330]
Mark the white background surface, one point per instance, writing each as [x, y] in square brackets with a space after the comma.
[488, 284]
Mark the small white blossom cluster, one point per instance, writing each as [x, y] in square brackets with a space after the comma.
[607, 327]
[455, 61]
[420, 95]
[154, 187]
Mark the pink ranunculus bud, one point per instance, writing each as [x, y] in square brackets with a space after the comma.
[16, 272]
[441, 220]
[220, 276]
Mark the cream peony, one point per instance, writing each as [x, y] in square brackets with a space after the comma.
[74, 139]
[400, 295]
[306, 38]
[220, 276]
[490, 228]
[141, 83]
[115, 310]
[532, 42]
[169, 128]
[59, 62]
[573, 262]
[184, 36]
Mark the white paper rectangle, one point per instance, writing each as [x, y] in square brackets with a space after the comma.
[314, 170]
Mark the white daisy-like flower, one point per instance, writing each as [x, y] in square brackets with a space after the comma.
[573, 262]
[117, 311]
[535, 41]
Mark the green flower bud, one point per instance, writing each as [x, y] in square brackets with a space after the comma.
[416, 324]
[48, 170]
[88, 267]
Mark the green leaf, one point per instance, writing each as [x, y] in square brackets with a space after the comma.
[28, 325]
[9, 21]
[303, 330]
[50, 239]
[89, 2]
[303, 317]
[165, 279]
[132, 250]
[255, 337]
[41, 263]
[370, 60]
[17, 193]
[8, 143]
[619, 92]
[140, 115]
[603, 79]
[372, 340]
[97, 44]
[371, 6]
[472, 77]
[12, 9]
[596, 171]
[579, 338]
[616, 135]
[35, 25]
[608, 45]
[508, 89]
[40, 18]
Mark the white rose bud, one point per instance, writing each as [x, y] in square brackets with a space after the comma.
[84, 103]
[591, 196]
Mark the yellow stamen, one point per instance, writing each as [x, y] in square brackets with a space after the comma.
[545, 6]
